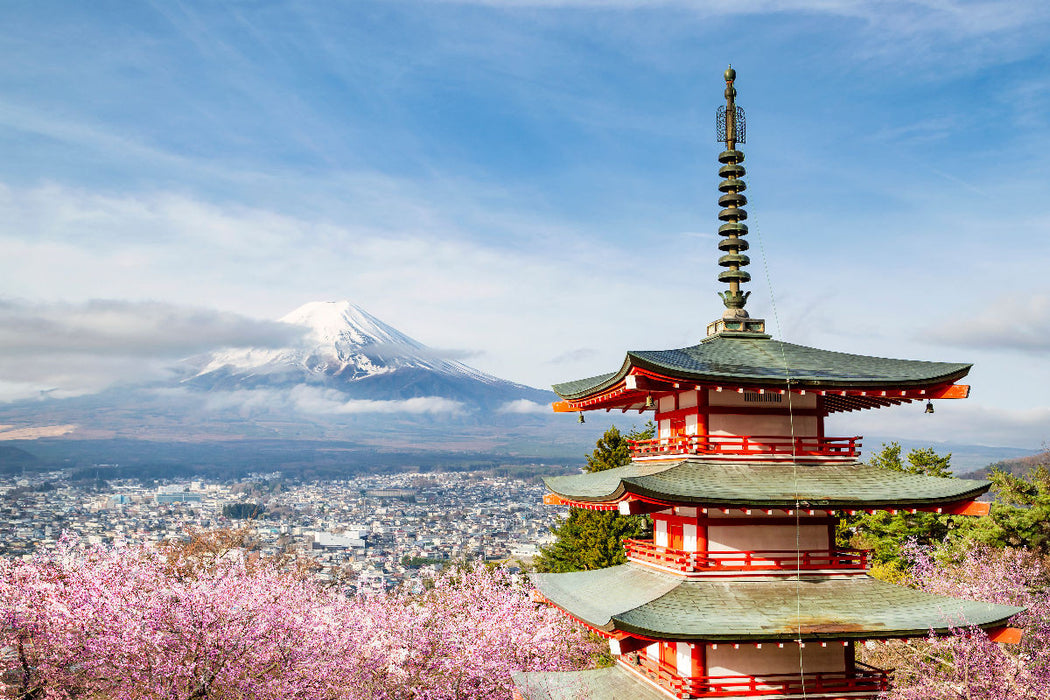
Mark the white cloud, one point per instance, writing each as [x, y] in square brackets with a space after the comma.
[418, 272]
[524, 406]
[309, 400]
[130, 329]
[68, 349]
[1020, 323]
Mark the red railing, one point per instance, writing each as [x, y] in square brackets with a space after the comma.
[863, 679]
[646, 551]
[764, 446]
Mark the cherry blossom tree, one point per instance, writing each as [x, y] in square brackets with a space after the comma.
[125, 624]
[967, 664]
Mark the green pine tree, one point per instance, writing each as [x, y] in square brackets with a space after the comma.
[1020, 515]
[592, 539]
[884, 533]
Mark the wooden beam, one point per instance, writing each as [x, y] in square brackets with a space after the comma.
[636, 382]
[970, 508]
[627, 645]
[955, 391]
[756, 411]
[553, 499]
[636, 507]
[563, 407]
[1006, 635]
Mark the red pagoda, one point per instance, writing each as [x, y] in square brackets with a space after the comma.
[742, 591]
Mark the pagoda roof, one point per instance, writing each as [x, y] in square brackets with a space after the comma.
[763, 362]
[714, 482]
[612, 682]
[654, 605]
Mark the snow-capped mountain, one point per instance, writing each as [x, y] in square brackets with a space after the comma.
[346, 348]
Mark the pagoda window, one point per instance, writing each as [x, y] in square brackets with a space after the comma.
[689, 538]
[767, 538]
[774, 660]
[660, 532]
[684, 660]
[687, 399]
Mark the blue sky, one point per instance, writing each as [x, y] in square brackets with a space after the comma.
[531, 184]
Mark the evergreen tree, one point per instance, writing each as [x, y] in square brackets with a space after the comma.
[885, 534]
[592, 539]
[1020, 515]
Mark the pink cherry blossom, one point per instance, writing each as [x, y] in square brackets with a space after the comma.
[122, 624]
[967, 664]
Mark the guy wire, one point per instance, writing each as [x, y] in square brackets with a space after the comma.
[794, 464]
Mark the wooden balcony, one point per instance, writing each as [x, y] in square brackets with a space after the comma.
[774, 561]
[863, 679]
[761, 447]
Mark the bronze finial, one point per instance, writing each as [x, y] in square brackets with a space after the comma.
[731, 130]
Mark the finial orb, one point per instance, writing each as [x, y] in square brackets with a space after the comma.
[730, 74]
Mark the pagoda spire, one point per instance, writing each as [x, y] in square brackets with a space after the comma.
[731, 125]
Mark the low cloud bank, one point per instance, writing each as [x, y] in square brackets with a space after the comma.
[67, 349]
[524, 406]
[324, 402]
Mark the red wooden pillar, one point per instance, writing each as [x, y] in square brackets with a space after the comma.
[703, 413]
[821, 412]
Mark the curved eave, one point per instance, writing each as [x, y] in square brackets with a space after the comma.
[853, 608]
[746, 364]
[721, 483]
[592, 386]
[779, 378]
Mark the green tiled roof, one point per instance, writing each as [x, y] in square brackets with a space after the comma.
[771, 362]
[598, 684]
[727, 483]
[855, 607]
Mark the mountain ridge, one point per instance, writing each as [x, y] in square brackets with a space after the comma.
[343, 341]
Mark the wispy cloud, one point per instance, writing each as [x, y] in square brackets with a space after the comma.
[577, 355]
[1020, 323]
[419, 273]
[963, 17]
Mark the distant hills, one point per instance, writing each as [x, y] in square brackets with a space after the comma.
[1018, 466]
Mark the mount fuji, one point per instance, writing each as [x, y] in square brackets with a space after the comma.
[348, 392]
[347, 350]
